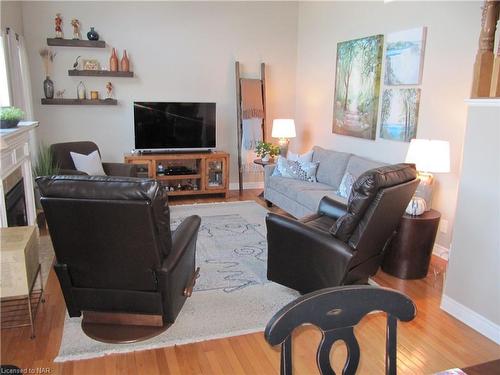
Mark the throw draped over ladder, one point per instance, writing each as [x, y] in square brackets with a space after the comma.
[251, 113]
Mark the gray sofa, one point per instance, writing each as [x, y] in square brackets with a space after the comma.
[301, 198]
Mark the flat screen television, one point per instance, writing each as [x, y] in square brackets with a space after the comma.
[171, 127]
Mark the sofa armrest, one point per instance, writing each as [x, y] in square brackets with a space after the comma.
[120, 169]
[331, 208]
[302, 257]
[268, 171]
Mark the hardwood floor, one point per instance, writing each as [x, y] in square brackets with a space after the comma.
[432, 342]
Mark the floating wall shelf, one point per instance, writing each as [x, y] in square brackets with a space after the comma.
[99, 73]
[79, 102]
[76, 43]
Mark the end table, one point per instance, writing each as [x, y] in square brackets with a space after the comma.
[263, 163]
[409, 254]
[20, 268]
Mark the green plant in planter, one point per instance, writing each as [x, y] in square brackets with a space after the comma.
[10, 117]
[264, 149]
[45, 166]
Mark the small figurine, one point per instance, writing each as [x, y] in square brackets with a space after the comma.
[75, 65]
[59, 21]
[60, 94]
[76, 29]
[109, 90]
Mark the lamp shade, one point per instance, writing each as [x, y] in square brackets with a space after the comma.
[283, 128]
[429, 155]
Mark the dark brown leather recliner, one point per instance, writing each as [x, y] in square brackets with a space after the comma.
[62, 158]
[340, 244]
[114, 248]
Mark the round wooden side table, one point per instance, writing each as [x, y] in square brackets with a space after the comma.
[409, 254]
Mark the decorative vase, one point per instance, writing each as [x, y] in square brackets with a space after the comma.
[81, 91]
[125, 64]
[416, 207]
[266, 158]
[48, 88]
[92, 34]
[113, 61]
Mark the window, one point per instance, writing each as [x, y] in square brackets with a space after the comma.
[4, 85]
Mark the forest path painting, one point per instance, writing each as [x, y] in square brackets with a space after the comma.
[357, 86]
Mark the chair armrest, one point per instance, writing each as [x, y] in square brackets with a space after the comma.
[70, 172]
[268, 171]
[183, 239]
[331, 208]
[178, 267]
[302, 257]
[120, 169]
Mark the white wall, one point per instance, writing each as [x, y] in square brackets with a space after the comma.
[179, 51]
[472, 288]
[11, 15]
[452, 35]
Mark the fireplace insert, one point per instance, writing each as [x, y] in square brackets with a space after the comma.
[16, 206]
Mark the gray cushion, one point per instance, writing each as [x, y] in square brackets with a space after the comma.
[294, 188]
[311, 198]
[332, 165]
[358, 165]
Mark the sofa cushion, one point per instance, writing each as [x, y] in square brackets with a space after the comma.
[364, 191]
[311, 198]
[298, 170]
[295, 188]
[358, 165]
[332, 165]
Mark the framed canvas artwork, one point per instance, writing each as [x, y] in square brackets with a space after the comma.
[404, 57]
[357, 87]
[399, 115]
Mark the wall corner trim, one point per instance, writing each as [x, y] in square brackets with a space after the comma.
[471, 318]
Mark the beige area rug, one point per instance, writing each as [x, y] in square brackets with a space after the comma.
[232, 295]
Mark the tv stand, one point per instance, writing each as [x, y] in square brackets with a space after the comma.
[162, 152]
[185, 173]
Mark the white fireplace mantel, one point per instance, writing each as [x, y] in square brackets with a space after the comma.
[15, 153]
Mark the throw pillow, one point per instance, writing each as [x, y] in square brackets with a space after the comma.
[304, 158]
[305, 171]
[90, 164]
[346, 185]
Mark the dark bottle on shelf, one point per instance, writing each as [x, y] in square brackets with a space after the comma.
[92, 34]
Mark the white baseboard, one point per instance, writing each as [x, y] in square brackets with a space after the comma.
[441, 251]
[471, 318]
[247, 185]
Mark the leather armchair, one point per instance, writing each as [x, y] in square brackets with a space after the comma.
[62, 158]
[340, 244]
[114, 248]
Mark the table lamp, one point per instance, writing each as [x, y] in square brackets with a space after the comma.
[283, 129]
[429, 156]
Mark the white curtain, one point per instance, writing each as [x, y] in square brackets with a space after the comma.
[16, 60]
[18, 73]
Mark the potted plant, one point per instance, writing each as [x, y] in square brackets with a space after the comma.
[45, 165]
[10, 117]
[266, 151]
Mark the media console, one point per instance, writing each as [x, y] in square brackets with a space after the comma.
[186, 173]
